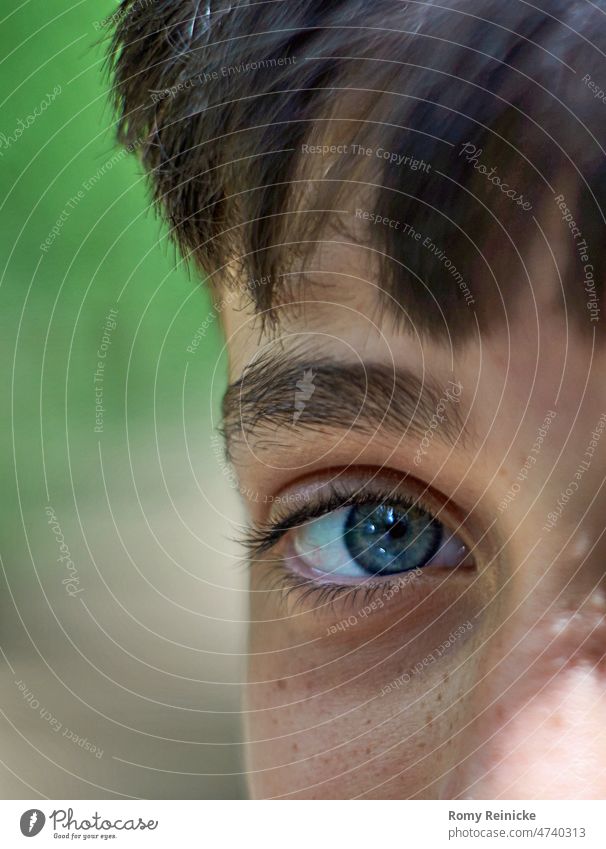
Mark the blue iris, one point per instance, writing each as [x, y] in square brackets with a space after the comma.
[385, 538]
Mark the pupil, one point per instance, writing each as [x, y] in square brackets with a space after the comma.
[399, 529]
[386, 539]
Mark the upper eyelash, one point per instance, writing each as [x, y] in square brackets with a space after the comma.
[261, 538]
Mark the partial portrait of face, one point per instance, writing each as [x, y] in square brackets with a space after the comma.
[427, 576]
[402, 225]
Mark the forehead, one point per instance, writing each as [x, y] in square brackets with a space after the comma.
[339, 301]
[342, 277]
[512, 374]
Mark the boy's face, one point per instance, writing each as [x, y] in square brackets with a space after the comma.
[478, 671]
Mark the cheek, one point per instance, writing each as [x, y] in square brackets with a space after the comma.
[375, 709]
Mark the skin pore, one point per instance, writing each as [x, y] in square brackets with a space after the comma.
[478, 680]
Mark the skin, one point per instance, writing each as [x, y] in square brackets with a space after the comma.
[515, 706]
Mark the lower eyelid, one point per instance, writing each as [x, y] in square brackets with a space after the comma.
[332, 602]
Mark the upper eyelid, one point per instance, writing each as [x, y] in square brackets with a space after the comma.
[337, 500]
[366, 485]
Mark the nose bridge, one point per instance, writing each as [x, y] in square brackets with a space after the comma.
[570, 604]
[579, 633]
[544, 727]
[560, 600]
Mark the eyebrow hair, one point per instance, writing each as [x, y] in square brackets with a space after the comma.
[291, 391]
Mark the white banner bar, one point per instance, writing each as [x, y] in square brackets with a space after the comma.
[304, 824]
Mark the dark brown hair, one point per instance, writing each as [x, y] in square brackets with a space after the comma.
[497, 104]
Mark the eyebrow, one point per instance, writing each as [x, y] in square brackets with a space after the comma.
[293, 392]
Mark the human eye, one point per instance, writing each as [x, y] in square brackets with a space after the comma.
[359, 531]
[375, 539]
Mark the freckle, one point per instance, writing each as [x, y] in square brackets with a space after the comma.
[368, 721]
[439, 697]
[367, 752]
[429, 719]
[295, 747]
[281, 684]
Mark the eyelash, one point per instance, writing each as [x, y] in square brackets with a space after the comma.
[262, 538]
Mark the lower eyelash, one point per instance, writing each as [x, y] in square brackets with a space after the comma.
[290, 584]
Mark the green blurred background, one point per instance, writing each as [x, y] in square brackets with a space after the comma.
[144, 661]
